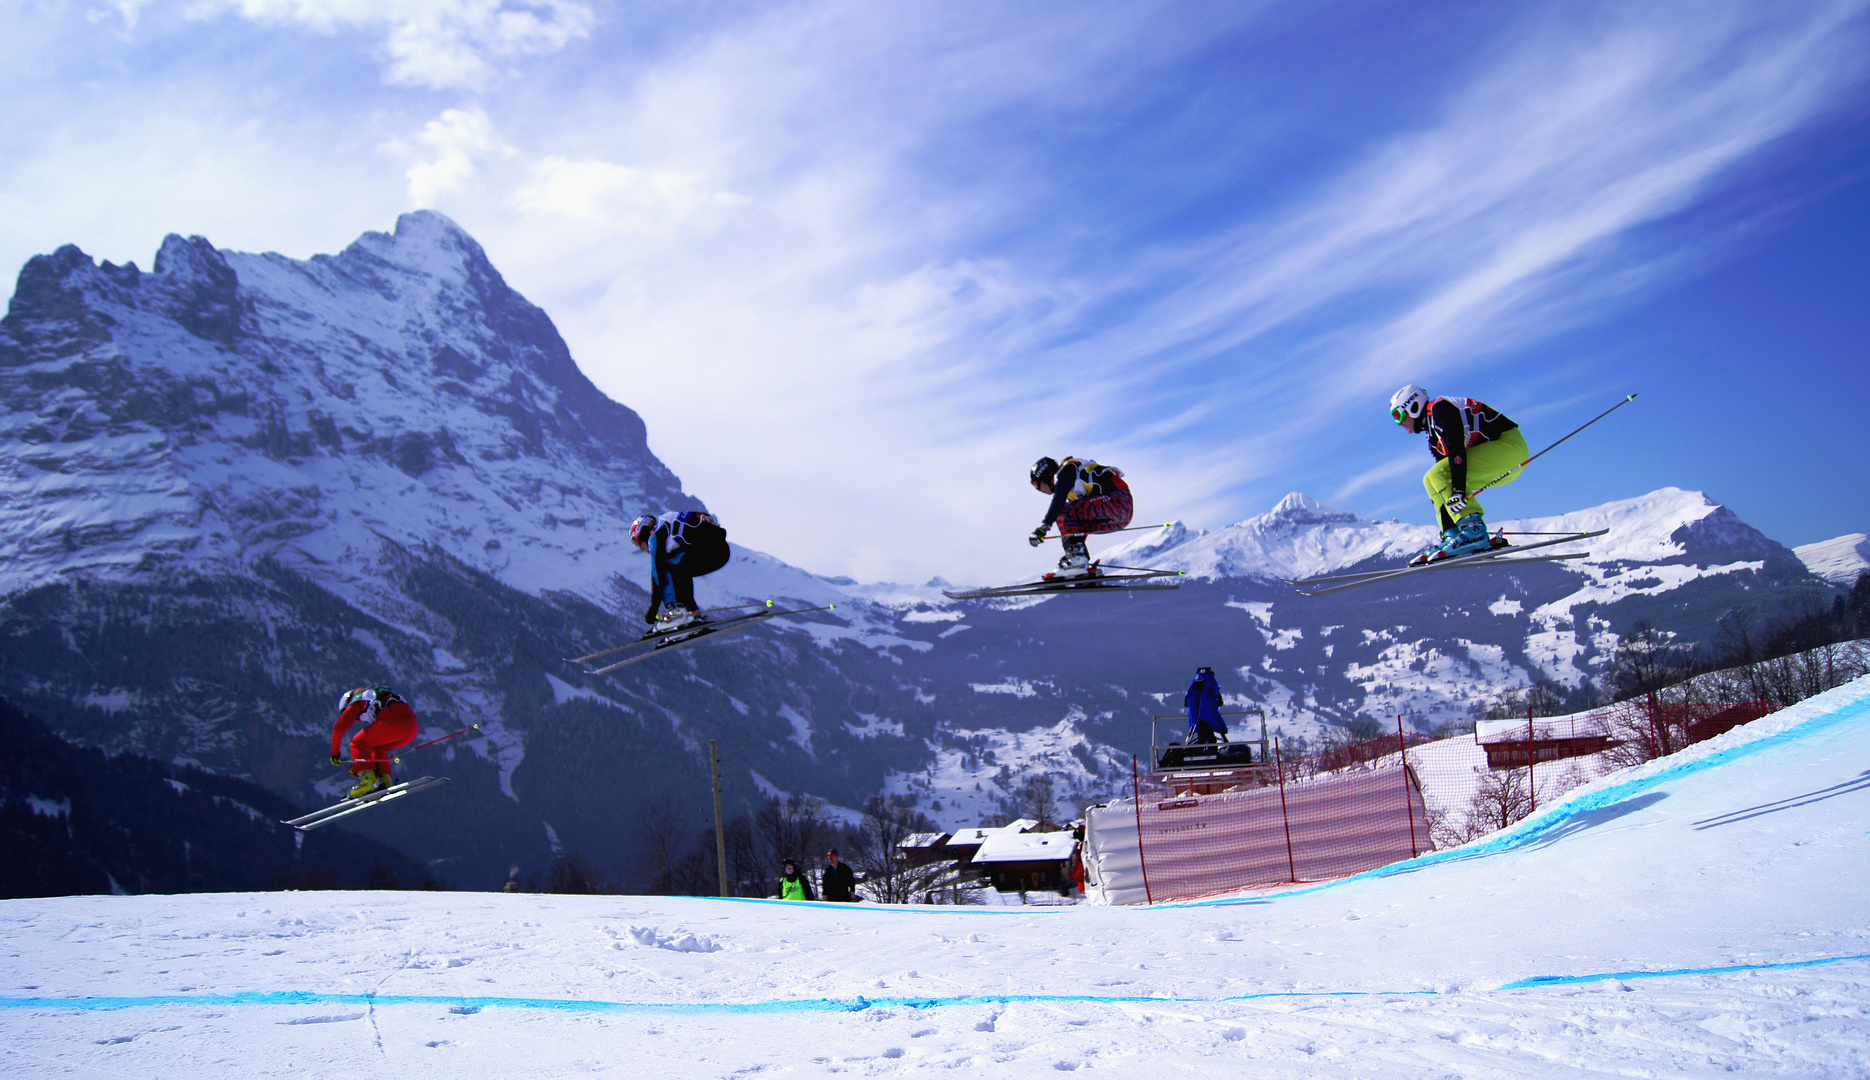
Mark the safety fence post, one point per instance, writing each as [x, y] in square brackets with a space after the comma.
[1402, 744]
[1136, 798]
[1532, 789]
[1284, 815]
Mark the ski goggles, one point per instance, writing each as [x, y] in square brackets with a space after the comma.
[1399, 413]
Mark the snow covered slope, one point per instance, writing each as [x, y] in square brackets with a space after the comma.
[1839, 559]
[1700, 916]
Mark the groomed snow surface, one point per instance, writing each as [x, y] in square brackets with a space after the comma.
[1704, 915]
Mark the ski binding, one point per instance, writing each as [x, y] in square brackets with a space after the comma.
[662, 640]
[1129, 578]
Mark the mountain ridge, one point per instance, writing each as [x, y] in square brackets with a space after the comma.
[239, 484]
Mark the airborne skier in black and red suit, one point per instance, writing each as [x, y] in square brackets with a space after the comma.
[1087, 498]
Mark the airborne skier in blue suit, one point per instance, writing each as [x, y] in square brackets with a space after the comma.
[682, 545]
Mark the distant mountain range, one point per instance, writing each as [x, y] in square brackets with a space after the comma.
[236, 485]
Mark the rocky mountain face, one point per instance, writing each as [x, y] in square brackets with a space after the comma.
[237, 485]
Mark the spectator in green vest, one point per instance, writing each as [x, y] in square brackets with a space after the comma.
[794, 885]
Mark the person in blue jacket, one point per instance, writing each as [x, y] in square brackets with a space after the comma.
[682, 546]
[1204, 708]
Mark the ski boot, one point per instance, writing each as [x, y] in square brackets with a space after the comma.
[367, 782]
[1076, 562]
[1471, 538]
[676, 618]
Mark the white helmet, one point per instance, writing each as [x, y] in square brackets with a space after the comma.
[352, 695]
[1408, 402]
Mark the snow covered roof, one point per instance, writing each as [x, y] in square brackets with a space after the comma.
[1574, 726]
[964, 837]
[922, 840]
[1008, 846]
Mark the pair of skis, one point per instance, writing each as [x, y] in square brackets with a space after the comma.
[658, 641]
[1126, 578]
[1499, 556]
[358, 805]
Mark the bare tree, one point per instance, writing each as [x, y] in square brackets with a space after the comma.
[795, 828]
[876, 854]
[662, 831]
[1544, 698]
[569, 873]
[748, 867]
[1037, 799]
[1502, 798]
[1647, 659]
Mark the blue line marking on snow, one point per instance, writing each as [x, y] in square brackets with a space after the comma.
[856, 1004]
[1572, 980]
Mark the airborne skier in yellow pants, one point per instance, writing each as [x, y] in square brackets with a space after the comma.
[1475, 447]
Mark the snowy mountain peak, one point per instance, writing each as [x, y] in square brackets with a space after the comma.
[233, 406]
[1839, 559]
[1301, 537]
[1298, 508]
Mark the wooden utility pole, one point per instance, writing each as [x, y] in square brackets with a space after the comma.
[720, 837]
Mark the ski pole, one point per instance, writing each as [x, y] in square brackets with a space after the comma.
[732, 607]
[1133, 528]
[1554, 446]
[444, 738]
[769, 603]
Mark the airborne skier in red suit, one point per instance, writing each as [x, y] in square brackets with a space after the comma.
[389, 725]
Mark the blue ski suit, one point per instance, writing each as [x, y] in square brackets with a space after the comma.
[1204, 708]
[685, 545]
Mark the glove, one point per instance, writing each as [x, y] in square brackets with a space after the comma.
[1038, 535]
[1457, 503]
[650, 617]
[336, 760]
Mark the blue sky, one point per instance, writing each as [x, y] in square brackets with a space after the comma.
[858, 264]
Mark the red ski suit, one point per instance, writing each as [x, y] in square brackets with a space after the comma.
[391, 726]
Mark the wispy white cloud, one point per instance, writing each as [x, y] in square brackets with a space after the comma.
[437, 43]
[452, 144]
[126, 11]
[852, 303]
[858, 265]
[619, 196]
[1389, 470]
[1536, 172]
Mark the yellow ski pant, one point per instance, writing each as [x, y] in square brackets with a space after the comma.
[1489, 464]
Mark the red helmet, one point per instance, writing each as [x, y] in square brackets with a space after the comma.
[641, 528]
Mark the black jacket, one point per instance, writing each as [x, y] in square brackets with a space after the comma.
[839, 883]
[1454, 425]
[1066, 488]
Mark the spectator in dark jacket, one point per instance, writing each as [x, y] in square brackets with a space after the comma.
[838, 882]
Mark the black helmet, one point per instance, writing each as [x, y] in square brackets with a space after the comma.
[1044, 471]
